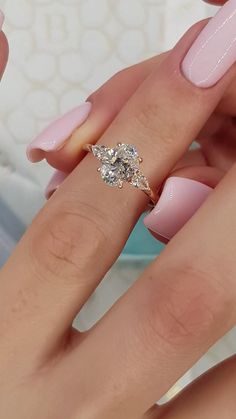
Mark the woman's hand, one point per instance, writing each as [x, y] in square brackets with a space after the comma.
[183, 302]
[86, 124]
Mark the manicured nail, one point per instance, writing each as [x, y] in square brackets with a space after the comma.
[56, 180]
[214, 51]
[179, 200]
[2, 18]
[216, 2]
[55, 136]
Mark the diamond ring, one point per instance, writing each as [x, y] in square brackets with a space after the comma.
[121, 164]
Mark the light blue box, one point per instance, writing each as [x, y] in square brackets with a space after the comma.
[141, 245]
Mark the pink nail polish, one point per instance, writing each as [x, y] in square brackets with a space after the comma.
[214, 51]
[54, 136]
[55, 182]
[179, 200]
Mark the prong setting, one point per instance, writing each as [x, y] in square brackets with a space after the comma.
[121, 184]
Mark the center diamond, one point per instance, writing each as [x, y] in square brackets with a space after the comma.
[120, 164]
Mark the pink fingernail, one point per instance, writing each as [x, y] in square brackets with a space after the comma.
[214, 51]
[2, 18]
[54, 136]
[179, 200]
[54, 183]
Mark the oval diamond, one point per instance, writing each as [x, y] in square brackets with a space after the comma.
[110, 174]
[127, 153]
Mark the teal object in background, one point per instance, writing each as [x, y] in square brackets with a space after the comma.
[141, 244]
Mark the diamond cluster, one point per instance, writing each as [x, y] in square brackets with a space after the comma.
[120, 164]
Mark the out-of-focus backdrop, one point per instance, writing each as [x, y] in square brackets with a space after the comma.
[60, 51]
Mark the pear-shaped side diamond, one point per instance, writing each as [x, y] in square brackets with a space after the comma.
[100, 152]
[140, 181]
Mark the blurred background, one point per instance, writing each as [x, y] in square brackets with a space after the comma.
[60, 51]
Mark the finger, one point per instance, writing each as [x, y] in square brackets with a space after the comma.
[65, 254]
[154, 413]
[228, 104]
[181, 305]
[90, 121]
[214, 151]
[62, 142]
[55, 182]
[212, 396]
[182, 195]
[219, 148]
[192, 157]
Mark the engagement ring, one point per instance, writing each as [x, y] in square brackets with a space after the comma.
[121, 164]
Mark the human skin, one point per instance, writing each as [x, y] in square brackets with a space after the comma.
[206, 165]
[182, 303]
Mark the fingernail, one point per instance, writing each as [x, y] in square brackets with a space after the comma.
[54, 183]
[215, 2]
[179, 200]
[214, 51]
[2, 18]
[55, 136]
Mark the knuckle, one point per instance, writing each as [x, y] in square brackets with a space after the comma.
[68, 242]
[190, 304]
[150, 123]
[147, 115]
